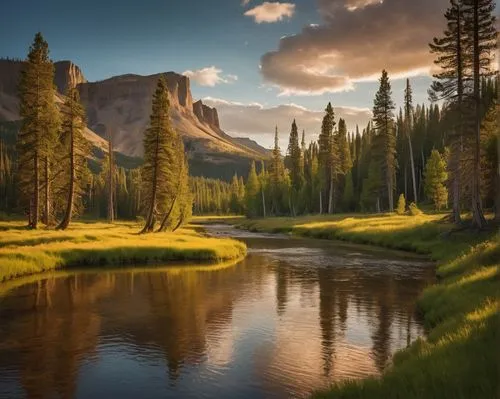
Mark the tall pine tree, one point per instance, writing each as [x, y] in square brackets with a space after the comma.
[38, 133]
[383, 117]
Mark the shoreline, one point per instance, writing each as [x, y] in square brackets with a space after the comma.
[460, 311]
[24, 252]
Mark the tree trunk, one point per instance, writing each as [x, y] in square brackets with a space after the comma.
[390, 194]
[150, 220]
[263, 202]
[412, 164]
[497, 192]
[181, 219]
[477, 211]
[378, 205]
[46, 215]
[163, 224]
[320, 202]
[455, 170]
[63, 225]
[35, 205]
[406, 182]
[330, 197]
[456, 145]
[111, 201]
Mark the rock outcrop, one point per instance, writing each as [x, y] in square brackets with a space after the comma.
[121, 106]
[67, 75]
[206, 114]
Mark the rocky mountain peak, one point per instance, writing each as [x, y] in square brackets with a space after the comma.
[67, 76]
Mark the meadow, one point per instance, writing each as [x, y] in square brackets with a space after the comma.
[24, 252]
[459, 357]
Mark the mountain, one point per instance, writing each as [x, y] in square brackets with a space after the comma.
[121, 106]
[66, 75]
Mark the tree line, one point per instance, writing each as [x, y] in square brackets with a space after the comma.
[49, 177]
[421, 154]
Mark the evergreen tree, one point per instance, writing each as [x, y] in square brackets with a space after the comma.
[277, 177]
[348, 195]
[157, 173]
[383, 118]
[435, 178]
[407, 126]
[76, 150]
[110, 180]
[37, 136]
[296, 170]
[252, 191]
[449, 85]
[264, 183]
[328, 157]
[481, 31]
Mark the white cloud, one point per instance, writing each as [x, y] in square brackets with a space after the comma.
[257, 121]
[354, 42]
[271, 12]
[209, 76]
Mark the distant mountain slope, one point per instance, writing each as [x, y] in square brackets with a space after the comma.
[121, 106]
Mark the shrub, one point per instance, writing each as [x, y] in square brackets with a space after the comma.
[414, 211]
[401, 209]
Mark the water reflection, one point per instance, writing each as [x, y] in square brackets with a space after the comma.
[291, 318]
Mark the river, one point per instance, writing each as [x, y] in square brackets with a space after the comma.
[294, 316]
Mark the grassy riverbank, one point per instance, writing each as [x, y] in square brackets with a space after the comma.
[24, 252]
[460, 357]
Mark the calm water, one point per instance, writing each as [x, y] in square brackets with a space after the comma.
[294, 316]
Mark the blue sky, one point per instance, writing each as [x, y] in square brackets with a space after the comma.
[107, 38]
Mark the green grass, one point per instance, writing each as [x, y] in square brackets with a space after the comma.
[24, 252]
[459, 358]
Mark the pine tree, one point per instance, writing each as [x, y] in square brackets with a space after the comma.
[383, 117]
[76, 149]
[110, 180]
[38, 133]
[252, 191]
[328, 157]
[176, 197]
[481, 31]
[435, 178]
[348, 195]
[296, 170]
[157, 173]
[264, 183]
[407, 126]
[344, 150]
[277, 176]
[449, 85]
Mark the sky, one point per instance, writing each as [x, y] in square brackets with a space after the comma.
[260, 63]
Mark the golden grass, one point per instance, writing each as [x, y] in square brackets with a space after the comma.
[24, 252]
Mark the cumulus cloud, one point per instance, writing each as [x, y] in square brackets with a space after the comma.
[257, 121]
[271, 12]
[354, 42]
[209, 76]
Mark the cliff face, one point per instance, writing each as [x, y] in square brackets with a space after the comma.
[206, 114]
[67, 75]
[121, 106]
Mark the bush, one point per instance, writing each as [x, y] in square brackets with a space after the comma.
[414, 211]
[401, 209]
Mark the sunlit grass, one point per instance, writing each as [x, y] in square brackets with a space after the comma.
[24, 252]
[459, 357]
